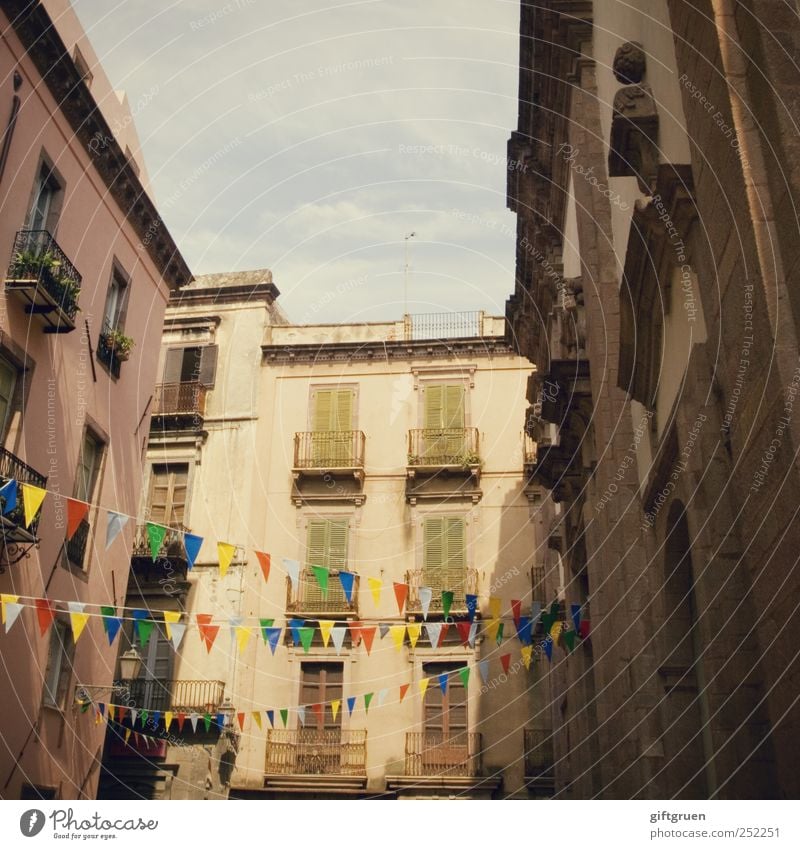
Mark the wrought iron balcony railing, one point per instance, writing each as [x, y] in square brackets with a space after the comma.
[180, 400]
[309, 751]
[171, 547]
[448, 447]
[153, 694]
[77, 544]
[444, 325]
[431, 753]
[307, 597]
[12, 467]
[113, 348]
[329, 450]
[461, 582]
[528, 451]
[43, 275]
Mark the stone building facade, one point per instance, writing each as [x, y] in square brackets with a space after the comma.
[654, 291]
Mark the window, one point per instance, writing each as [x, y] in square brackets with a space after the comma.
[444, 555]
[59, 664]
[46, 198]
[8, 382]
[326, 545]
[88, 466]
[332, 425]
[321, 684]
[445, 713]
[444, 421]
[191, 365]
[116, 302]
[167, 498]
[152, 690]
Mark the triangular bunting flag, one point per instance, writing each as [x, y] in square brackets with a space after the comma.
[292, 568]
[8, 492]
[306, 636]
[111, 622]
[527, 653]
[272, 636]
[443, 683]
[548, 648]
[516, 609]
[321, 574]
[425, 598]
[524, 632]
[401, 594]
[45, 614]
[494, 607]
[335, 704]
[414, 630]
[167, 719]
[264, 624]
[337, 635]
[240, 717]
[116, 522]
[463, 674]
[192, 545]
[575, 613]
[225, 553]
[347, 580]
[368, 635]
[301, 715]
[207, 721]
[367, 700]
[11, 609]
[398, 633]
[383, 629]
[473, 633]
[555, 630]
[463, 629]
[284, 712]
[178, 630]
[403, 691]
[317, 709]
[472, 605]
[155, 536]
[76, 513]
[500, 628]
[505, 660]
[181, 720]
[382, 694]
[423, 686]
[271, 717]
[355, 633]
[208, 632]
[77, 618]
[325, 628]
[264, 562]
[434, 630]
[447, 602]
[243, 635]
[568, 638]
[143, 626]
[375, 586]
[483, 668]
[256, 714]
[351, 703]
[32, 498]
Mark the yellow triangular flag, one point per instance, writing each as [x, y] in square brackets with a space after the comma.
[32, 498]
[325, 628]
[414, 630]
[375, 585]
[4, 600]
[243, 635]
[127, 734]
[257, 717]
[335, 708]
[494, 607]
[556, 630]
[171, 617]
[77, 618]
[225, 552]
[491, 629]
[398, 633]
[167, 719]
[527, 652]
[423, 686]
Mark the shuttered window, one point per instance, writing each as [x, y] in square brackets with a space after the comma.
[8, 382]
[191, 365]
[445, 713]
[444, 422]
[168, 487]
[444, 554]
[332, 425]
[326, 545]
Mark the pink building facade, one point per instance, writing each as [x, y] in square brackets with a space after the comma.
[87, 269]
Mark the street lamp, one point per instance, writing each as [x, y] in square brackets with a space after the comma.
[130, 664]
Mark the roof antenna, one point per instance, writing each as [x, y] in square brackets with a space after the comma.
[406, 269]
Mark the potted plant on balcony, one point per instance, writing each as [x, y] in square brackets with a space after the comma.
[116, 344]
[30, 264]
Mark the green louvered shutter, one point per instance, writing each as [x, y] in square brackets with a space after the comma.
[455, 564]
[433, 556]
[332, 415]
[453, 415]
[326, 546]
[444, 423]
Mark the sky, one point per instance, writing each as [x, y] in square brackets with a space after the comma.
[311, 137]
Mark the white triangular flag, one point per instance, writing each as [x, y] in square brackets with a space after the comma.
[177, 629]
[434, 630]
[337, 635]
[425, 596]
[292, 568]
[193, 717]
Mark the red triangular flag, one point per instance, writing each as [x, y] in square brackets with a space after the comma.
[208, 632]
[369, 635]
[240, 717]
[317, 708]
[403, 691]
[401, 593]
[463, 631]
[181, 720]
[516, 610]
[123, 712]
[46, 613]
[355, 633]
[505, 659]
[76, 511]
[264, 560]
[443, 634]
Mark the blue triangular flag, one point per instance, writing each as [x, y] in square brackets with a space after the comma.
[112, 625]
[524, 630]
[575, 610]
[221, 720]
[191, 545]
[9, 492]
[271, 717]
[548, 648]
[156, 716]
[295, 625]
[472, 606]
[273, 635]
[443, 682]
[351, 703]
[347, 580]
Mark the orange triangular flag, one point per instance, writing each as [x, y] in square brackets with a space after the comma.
[208, 632]
[401, 594]
[368, 635]
[264, 560]
[240, 717]
[76, 511]
[403, 691]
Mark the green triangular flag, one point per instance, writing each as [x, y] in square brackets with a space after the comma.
[306, 636]
[143, 717]
[145, 627]
[284, 715]
[569, 639]
[207, 721]
[155, 534]
[321, 574]
[464, 675]
[547, 622]
[500, 633]
[367, 700]
[447, 602]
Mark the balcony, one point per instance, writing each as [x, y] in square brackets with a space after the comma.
[13, 523]
[430, 753]
[178, 696]
[313, 752]
[445, 325]
[178, 406]
[460, 583]
[307, 597]
[528, 454]
[454, 449]
[42, 276]
[539, 761]
[171, 555]
[329, 454]
[77, 545]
